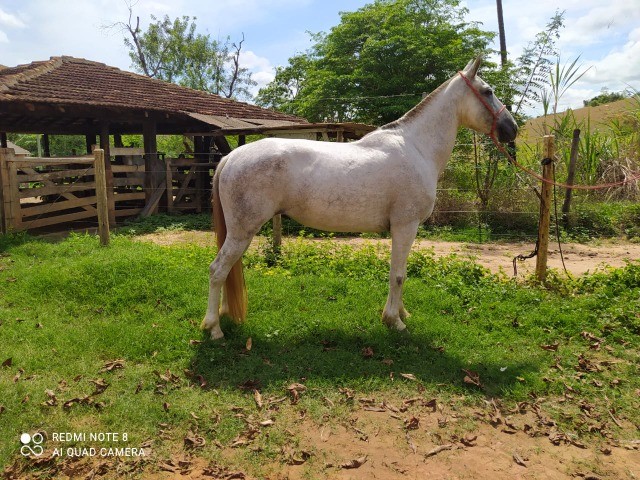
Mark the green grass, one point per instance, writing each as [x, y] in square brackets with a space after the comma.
[67, 308]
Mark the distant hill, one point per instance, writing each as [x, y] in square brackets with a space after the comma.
[600, 117]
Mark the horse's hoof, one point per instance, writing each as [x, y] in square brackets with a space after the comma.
[216, 334]
[213, 328]
[394, 323]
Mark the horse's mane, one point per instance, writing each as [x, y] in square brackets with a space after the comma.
[417, 110]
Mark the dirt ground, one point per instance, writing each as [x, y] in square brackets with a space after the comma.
[578, 258]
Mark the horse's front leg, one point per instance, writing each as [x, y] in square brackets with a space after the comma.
[402, 237]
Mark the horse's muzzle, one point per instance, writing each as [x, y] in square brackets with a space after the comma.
[507, 128]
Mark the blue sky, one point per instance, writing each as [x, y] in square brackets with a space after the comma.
[605, 33]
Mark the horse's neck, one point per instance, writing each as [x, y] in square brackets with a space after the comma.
[432, 125]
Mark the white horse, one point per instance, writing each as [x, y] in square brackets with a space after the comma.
[384, 181]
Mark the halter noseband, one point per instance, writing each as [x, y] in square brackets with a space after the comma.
[493, 113]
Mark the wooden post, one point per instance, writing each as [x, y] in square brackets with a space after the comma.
[3, 140]
[2, 189]
[12, 217]
[277, 233]
[545, 208]
[102, 203]
[104, 145]
[573, 157]
[169, 181]
[90, 140]
[46, 145]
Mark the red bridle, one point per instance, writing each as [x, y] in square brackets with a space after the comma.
[484, 102]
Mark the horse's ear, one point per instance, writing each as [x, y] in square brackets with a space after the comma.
[472, 67]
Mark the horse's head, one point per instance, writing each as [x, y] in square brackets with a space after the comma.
[480, 108]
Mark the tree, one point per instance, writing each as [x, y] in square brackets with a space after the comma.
[375, 65]
[173, 51]
[604, 97]
[534, 66]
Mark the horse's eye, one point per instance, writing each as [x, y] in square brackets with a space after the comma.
[488, 92]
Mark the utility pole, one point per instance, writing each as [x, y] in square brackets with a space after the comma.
[503, 39]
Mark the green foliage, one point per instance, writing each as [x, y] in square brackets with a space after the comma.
[173, 51]
[533, 67]
[376, 63]
[59, 145]
[604, 97]
[164, 222]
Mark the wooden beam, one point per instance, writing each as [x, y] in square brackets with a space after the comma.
[3, 140]
[152, 203]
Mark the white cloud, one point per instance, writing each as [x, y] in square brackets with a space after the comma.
[262, 71]
[620, 66]
[9, 20]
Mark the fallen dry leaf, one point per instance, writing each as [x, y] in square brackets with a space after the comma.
[471, 378]
[519, 460]
[249, 344]
[367, 352]
[8, 362]
[52, 400]
[438, 449]
[258, 399]
[409, 376]
[551, 348]
[193, 440]
[412, 423]
[100, 385]
[295, 389]
[355, 463]
[112, 365]
[469, 440]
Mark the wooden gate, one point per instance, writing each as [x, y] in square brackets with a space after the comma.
[40, 192]
[188, 183]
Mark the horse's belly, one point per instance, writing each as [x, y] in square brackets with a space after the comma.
[341, 220]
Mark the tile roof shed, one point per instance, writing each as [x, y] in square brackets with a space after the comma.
[66, 95]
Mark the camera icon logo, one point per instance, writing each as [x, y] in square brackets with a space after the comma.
[31, 444]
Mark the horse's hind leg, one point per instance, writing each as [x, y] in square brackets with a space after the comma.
[228, 255]
[402, 237]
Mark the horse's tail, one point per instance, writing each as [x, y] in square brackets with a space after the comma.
[235, 289]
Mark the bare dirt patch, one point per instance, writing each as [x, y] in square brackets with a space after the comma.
[579, 258]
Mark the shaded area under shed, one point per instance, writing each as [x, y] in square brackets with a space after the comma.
[71, 96]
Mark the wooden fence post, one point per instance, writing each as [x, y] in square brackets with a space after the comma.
[548, 150]
[102, 203]
[10, 192]
[277, 233]
[2, 188]
[573, 157]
